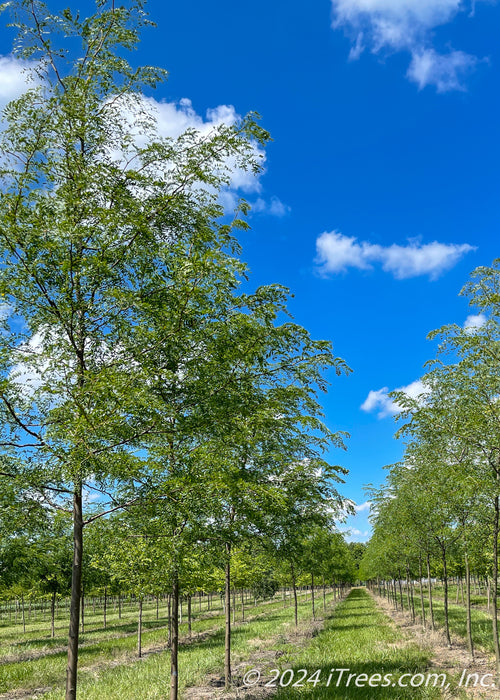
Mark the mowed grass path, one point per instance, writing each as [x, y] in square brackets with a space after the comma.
[361, 638]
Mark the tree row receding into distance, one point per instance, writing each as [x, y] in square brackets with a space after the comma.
[159, 423]
[438, 515]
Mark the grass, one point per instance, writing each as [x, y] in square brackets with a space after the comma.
[356, 636]
[361, 638]
[146, 678]
[457, 619]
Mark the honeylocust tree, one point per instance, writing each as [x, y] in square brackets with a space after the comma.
[97, 214]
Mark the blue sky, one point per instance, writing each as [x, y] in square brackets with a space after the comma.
[381, 184]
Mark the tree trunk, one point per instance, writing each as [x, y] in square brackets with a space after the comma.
[169, 621]
[446, 617]
[242, 606]
[174, 647]
[139, 630]
[324, 595]
[294, 595]
[53, 615]
[24, 616]
[408, 592]
[227, 640]
[469, 621]
[83, 612]
[76, 587]
[119, 606]
[312, 596]
[105, 609]
[412, 602]
[494, 592]
[429, 584]
[422, 606]
[189, 616]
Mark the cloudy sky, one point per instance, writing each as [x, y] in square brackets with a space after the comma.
[381, 185]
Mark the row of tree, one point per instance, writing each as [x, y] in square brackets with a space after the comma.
[127, 563]
[438, 515]
[136, 371]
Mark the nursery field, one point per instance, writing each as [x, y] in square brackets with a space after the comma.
[176, 517]
[351, 650]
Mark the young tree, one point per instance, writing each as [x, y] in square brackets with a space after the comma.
[88, 217]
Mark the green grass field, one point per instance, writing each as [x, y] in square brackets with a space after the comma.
[108, 664]
[356, 636]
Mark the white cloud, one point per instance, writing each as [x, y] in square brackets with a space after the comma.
[380, 401]
[357, 527]
[171, 119]
[273, 207]
[14, 78]
[407, 25]
[90, 496]
[5, 311]
[336, 253]
[362, 507]
[29, 370]
[474, 321]
[444, 71]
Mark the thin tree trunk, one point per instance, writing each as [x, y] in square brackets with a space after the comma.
[24, 616]
[169, 621]
[312, 596]
[294, 595]
[189, 616]
[400, 590]
[494, 592]
[76, 587]
[139, 630]
[105, 610]
[412, 602]
[446, 617]
[429, 584]
[227, 640]
[324, 595]
[408, 592]
[53, 615]
[119, 606]
[242, 606]
[83, 611]
[422, 606]
[469, 621]
[174, 646]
